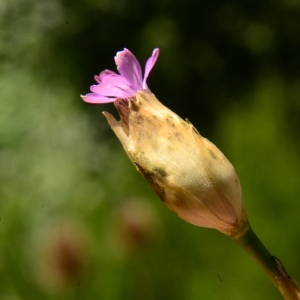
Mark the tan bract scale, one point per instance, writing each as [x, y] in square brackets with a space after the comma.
[189, 173]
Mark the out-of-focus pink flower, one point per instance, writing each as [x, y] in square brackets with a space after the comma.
[64, 257]
[136, 225]
[124, 85]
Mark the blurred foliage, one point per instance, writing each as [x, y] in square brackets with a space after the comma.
[232, 68]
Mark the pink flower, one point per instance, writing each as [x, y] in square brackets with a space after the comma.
[112, 86]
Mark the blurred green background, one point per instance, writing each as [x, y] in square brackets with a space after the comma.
[76, 220]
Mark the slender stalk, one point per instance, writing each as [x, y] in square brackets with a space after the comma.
[270, 264]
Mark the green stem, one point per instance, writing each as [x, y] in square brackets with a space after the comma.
[270, 264]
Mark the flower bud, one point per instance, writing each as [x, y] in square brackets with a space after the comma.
[190, 174]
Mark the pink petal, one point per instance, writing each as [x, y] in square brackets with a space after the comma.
[129, 67]
[95, 98]
[112, 92]
[149, 65]
[103, 74]
[114, 85]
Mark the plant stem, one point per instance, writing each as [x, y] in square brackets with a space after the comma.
[270, 264]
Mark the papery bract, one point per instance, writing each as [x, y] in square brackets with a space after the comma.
[190, 174]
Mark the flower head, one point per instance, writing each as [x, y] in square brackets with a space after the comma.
[130, 80]
[189, 173]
